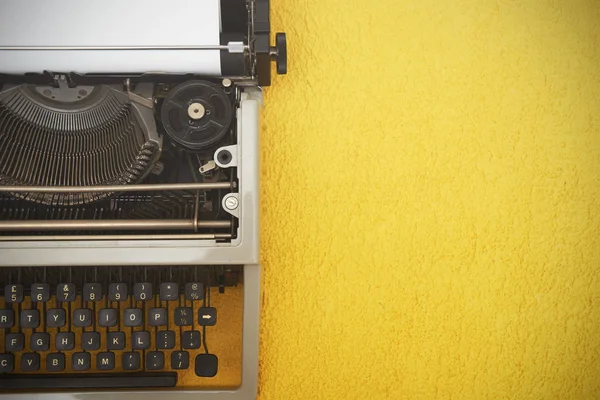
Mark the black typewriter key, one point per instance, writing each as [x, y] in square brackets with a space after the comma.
[206, 365]
[13, 293]
[92, 292]
[55, 362]
[133, 317]
[30, 362]
[184, 316]
[55, 317]
[65, 341]
[90, 341]
[117, 292]
[194, 291]
[141, 340]
[40, 292]
[105, 361]
[180, 360]
[190, 339]
[14, 341]
[82, 317]
[165, 340]
[131, 361]
[81, 361]
[107, 317]
[66, 292]
[207, 316]
[142, 291]
[157, 316]
[7, 318]
[155, 360]
[7, 362]
[30, 318]
[39, 341]
[115, 340]
[169, 291]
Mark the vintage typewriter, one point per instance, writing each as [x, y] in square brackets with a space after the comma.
[129, 196]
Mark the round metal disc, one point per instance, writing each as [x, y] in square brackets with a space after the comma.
[197, 114]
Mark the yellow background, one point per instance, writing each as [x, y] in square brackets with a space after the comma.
[430, 201]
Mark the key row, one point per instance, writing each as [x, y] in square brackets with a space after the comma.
[67, 292]
[109, 317]
[105, 361]
[91, 341]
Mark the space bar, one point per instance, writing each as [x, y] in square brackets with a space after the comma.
[88, 380]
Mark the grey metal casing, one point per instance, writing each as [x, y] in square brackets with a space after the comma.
[243, 250]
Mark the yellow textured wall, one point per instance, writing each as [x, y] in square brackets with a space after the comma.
[431, 211]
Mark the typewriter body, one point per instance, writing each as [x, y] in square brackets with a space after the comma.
[129, 150]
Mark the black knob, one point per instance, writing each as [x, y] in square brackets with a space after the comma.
[279, 53]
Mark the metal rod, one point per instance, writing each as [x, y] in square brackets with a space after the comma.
[115, 237]
[116, 188]
[115, 225]
[196, 210]
[58, 48]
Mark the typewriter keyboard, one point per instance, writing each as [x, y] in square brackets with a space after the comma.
[120, 327]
